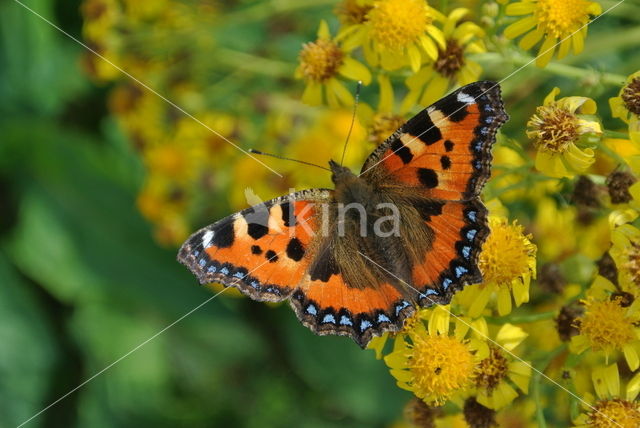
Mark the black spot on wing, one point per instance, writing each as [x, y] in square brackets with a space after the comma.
[421, 126]
[448, 145]
[428, 177]
[295, 250]
[401, 150]
[288, 216]
[271, 256]
[224, 235]
[452, 109]
[445, 161]
[428, 207]
[324, 266]
[255, 249]
[257, 220]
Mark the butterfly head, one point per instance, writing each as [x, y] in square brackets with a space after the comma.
[340, 174]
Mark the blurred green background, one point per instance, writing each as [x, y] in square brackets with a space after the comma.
[83, 282]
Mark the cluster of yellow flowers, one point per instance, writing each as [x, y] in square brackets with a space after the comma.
[555, 324]
[178, 152]
[475, 355]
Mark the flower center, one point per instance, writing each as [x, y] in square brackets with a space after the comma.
[351, 12]
[320, 60]
[553, 128]
[615, 413]
[631, 96]
[492, 370]
[397, 23]
[440, 365]
[506, 254]
[561, 18]
[384, 124]
[451, 60]
[606, 324]
[632, 264]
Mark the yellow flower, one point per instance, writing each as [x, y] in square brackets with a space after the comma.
[558, 22]
[452, 66]
[353, 12]
[625, 250]
[557, 128]
[507, 263]
[611, 409]
[321, 62]
[435, 363]
[609, 325]
[496, 372]
[396, 33]
[626, 105]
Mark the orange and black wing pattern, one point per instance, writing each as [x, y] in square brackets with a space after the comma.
[445, 150]
[444, 154]
[264, 251]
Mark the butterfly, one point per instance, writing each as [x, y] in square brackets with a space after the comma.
[418, 195]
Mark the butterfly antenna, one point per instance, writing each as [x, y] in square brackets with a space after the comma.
[353, 120]
[257, 152]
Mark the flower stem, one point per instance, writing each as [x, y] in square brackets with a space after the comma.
[519, 59]
[253, 63]
[522, 319]
[536, 381]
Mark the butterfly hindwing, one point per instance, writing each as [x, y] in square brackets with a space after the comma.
[459, 232]
[263, 250]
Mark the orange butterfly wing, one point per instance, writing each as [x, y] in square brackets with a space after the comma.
[263, 250]
[445, 152]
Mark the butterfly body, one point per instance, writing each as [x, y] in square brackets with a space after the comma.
[357, 261]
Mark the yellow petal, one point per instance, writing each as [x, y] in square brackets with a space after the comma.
[577, 40]
[563, 50]
[551, 98]
[435, 90]
[546, 52]
[520, 8]
[437, 35]
[455, 16]
[355, 70]
[415, 59]
[386, 93]
[343, 95]
[633, 387]
[618, 108]
[312, 94]
[631, 356]
[520, 27]
[510, 336]
[429, 47]
[531, 39]
[520, 291]
[504, 301]
[480, 302]
[323, 30]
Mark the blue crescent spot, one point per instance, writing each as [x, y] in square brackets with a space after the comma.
[478, 146]
[477, 164]
[466, 251]
[461, 270]
[471, 215]
[488, 119]
[345, 320]
[329, 318]
[224, 271]
[312, 310]
[255, 284]
[487, 107]
[196, 253]
[471, 233]
[401, 306]
[383, 318]
[364, 324]
[202, 262]
[484, 130]
[446, 283]
[239, 275]
[211, 269]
